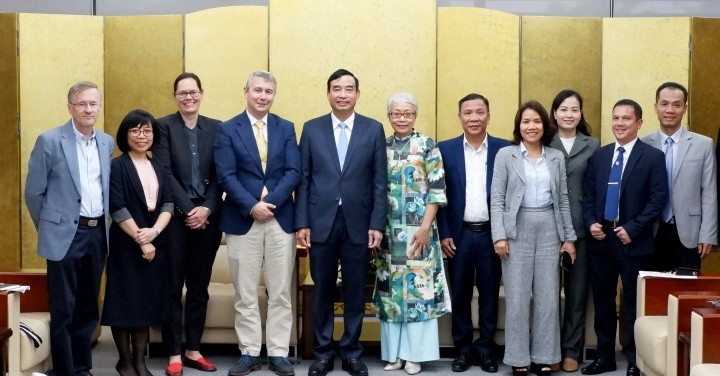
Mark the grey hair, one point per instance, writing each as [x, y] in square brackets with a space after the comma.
[265, 75]
[402, 97]
[81, 86]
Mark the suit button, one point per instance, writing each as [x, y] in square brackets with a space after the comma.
[75, 222]
[79, 201]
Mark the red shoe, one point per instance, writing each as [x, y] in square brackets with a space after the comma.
[174, 369]
[202, 364]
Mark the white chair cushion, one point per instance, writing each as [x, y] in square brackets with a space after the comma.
[705, 370]
[30, 356]
[651, 342]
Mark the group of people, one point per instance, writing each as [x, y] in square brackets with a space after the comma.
[548, 208]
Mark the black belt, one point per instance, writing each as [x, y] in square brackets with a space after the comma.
[477, 226]
[91, 222]
[609, 225]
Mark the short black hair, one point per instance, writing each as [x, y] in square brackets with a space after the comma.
[548, 129]
[671, 85]
[472, 97]
[629, 102]
[583, 126]
[135, 119]
[185, 75]
[339, 73]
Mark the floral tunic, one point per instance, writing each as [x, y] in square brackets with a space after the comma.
[411, 290]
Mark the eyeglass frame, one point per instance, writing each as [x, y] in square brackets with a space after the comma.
[85, 105]
[399, 115]
[135, 132]
[183, 94]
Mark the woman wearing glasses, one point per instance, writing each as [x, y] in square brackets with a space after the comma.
[141, 207]
[186, 149]
[531, 227]
[411, 290]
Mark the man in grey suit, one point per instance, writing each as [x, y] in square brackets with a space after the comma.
[66, 194]
[688, 227]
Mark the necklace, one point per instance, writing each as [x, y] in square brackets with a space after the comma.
[398, 153]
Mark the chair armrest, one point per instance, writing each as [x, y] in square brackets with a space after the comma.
[34, 300]
[680, 305]
[704, 336]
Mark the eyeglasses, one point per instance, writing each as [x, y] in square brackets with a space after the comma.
[398, 115]
[183, 94]
[83, 105]
[136, 132]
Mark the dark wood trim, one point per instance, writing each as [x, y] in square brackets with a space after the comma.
[34, 300]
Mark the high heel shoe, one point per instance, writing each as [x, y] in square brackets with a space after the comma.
[399, 363]
[520, 371]
[412, 368]
[541, 369]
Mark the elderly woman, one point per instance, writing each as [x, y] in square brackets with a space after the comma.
[531, 226]
[410, 290]
[141, 207]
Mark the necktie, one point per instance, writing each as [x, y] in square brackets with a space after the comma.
[668, 212]
[612, 198]
[342, 144]
[262, 150]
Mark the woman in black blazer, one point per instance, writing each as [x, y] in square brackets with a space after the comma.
[141, 206]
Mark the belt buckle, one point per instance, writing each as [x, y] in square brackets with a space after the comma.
[92, 222]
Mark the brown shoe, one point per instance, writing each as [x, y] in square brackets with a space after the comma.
[570, 365]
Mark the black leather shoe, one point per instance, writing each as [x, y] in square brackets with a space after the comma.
[354, 367]
[321, 367]
[633, 370]
[461, 363]
[487, 363]
[599, 366]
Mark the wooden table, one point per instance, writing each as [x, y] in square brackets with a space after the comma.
[5, 334]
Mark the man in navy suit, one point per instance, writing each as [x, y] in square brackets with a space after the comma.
[464, 226]
[342, 203]
[67, 195]
[258, 166]
[621, 226]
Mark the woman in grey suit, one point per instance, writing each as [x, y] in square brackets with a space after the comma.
[531, 225]
[574, 141]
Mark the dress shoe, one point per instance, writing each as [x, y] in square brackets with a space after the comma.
[355, 367]
[461, 363]
[412, 368]
[487, 363]
[174, 369]
[541, 369]
[245, 365]
[599, 366]
[633, 370]
[321, 367]
[570, 365]
[201, 364]
[281, 365]
[399, 363]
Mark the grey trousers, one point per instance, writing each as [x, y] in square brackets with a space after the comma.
[532, 280]
[576, 284]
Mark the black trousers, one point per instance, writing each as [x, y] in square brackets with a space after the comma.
[73, 287]
[475, 264]
[670, 253]
[354, 261]
[192, 254]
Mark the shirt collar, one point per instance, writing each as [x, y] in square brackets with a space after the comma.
[349, 121]
[628, 147]
[483, 145]
[675, 136]
[79, 136]
[524, 151]
[253, 120]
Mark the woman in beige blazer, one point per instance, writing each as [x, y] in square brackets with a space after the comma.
[531, 225]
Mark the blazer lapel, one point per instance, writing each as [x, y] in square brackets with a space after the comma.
[553, 164]
[556, 143]
[358, 132]
[246, 134]
[683, 148]
[329, 134]
[581, 142]
[134, 177]
[70, 151]
[635, 156]
[458, 154]
[517, 163]
[274, 138]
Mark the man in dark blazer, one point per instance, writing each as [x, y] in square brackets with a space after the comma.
[67, 195]
[186, 150]
[464, 226]
[342, 204]
[621, 245]
[258, 167]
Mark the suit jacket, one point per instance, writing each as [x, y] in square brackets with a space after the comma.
[576, 162]
[362, 182]
[173, 152]
[643, 193]
[52, 188]
[241, 175]
[508, 190]
[450, 216]
[694, 187]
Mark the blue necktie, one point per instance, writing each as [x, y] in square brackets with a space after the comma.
[612, 198]
[668, 212]
[342, 144]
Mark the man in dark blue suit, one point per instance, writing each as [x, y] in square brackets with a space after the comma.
[342, 202]
[464, 226]
[620, 220]
[258, 166]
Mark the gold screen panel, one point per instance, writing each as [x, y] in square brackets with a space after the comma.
[562, 53]
[222, 69]
[704, 87]
[55, 52]
[639, 54]
[389, 46]
[478, 52]
[10, 173]
[143, 55]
